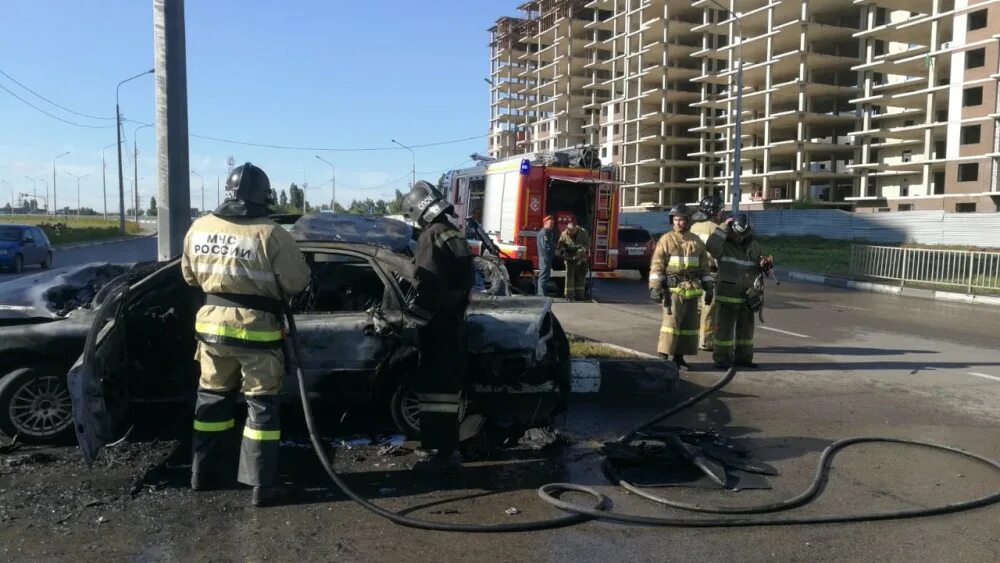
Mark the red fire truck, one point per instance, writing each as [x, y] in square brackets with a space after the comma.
[510, 197]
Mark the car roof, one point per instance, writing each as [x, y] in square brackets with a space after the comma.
[15, 225]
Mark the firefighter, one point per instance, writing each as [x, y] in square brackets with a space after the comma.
[741, 261]
[709, 217]
[546, 240]
[574, 248]
[678, 277]
[237, 255]
[444, 278]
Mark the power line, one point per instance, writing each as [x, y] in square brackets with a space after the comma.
[26, 102]
[15, 81]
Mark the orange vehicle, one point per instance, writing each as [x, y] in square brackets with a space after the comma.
[509, 198]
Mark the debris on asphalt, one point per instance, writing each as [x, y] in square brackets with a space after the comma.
[512, 511]
[542, 438]
[11, 446]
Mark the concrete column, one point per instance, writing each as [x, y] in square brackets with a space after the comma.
[173, 169]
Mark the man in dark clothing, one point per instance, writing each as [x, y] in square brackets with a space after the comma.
[546, 239]
[444, 278]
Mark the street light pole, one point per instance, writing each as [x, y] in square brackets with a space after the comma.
[55, 199]
[78, 178]
[333, 182]
[202, 190]
[736, 194]
[121, 175]
[104, 179]
[413, 162]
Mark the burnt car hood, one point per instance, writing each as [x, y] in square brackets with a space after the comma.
[357, 229]
[53, 295]
[505, 324]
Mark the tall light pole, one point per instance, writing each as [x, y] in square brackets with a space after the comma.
[104, 179]
[55, 199]
[121, 175]
[78, 178]
[738, 133]
[135, 187]
[333, 182]
[413, 162]
[202, 178]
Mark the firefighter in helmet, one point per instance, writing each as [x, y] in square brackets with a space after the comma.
[741, 261]
[708, 217]
[574, 248]
[444, 278]
[678, 277]
[237, 255]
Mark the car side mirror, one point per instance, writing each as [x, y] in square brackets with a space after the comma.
[28, 238]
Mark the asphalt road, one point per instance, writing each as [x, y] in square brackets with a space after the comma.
[835, 364]
[135, 250]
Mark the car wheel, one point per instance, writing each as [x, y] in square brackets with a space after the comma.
[18, 264]
[405, 408]
[35, 406]
[48, 261]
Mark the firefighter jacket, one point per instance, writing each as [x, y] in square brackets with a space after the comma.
[682, 257]
[739, 265]
[703, 230]
[236, 257]
[444, 271]
[573, 247]
[547, 239]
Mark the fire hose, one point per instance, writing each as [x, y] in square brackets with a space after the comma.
[552, 493]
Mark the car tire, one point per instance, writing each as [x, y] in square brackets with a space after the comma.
[18, 266]
[35, 406]
[405, 409]
[47, 263]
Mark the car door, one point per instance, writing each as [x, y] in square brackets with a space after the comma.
[344, 322]
[29, 248]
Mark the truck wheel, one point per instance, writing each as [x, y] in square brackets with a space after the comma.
[35, 406]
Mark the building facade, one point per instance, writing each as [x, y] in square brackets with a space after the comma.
[871, 105]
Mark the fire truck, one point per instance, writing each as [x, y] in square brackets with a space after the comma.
[509, 198]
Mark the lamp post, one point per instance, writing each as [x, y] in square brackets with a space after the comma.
[333, 182]
[104, 179]
[121, 175]
[738, 133]
[78, 178]
[55, 199]
[413, 162]
[202, 178]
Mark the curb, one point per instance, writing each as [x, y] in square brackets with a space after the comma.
[100, 242]
[844, 283]
[622, 378]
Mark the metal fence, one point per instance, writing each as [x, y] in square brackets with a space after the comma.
[953, 268]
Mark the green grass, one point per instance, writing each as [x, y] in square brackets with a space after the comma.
[809, 254]
[71, 230]
[583, 348]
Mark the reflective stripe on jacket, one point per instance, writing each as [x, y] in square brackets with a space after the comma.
[237, 255]
[682, 254]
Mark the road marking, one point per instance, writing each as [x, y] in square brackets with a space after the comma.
[983, 375]
[784, 332]
[852, 307]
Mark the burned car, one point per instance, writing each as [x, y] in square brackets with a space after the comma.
[358, 342]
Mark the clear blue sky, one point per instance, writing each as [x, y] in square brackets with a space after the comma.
[302, 73]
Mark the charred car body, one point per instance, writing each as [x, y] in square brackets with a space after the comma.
[358, 344]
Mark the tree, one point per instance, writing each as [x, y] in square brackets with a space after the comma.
[152, 207]
[395, 207]
[274, 195]
[296, 197]
[337, 208]
[8, 209]
[283, 199]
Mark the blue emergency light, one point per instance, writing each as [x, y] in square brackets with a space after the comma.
[525, 167]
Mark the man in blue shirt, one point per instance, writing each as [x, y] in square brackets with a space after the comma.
[546, 239]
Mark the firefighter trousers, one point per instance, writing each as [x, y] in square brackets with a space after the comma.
[734, 328]
[544, 273]
[222, 370]
[576, 281]
[440, 380]
[679, 331]
[707, 339]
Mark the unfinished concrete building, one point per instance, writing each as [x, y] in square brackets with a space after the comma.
[929, 105]
[798, 84]
[537, 93]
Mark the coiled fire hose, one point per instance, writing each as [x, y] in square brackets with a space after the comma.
[552, 493]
